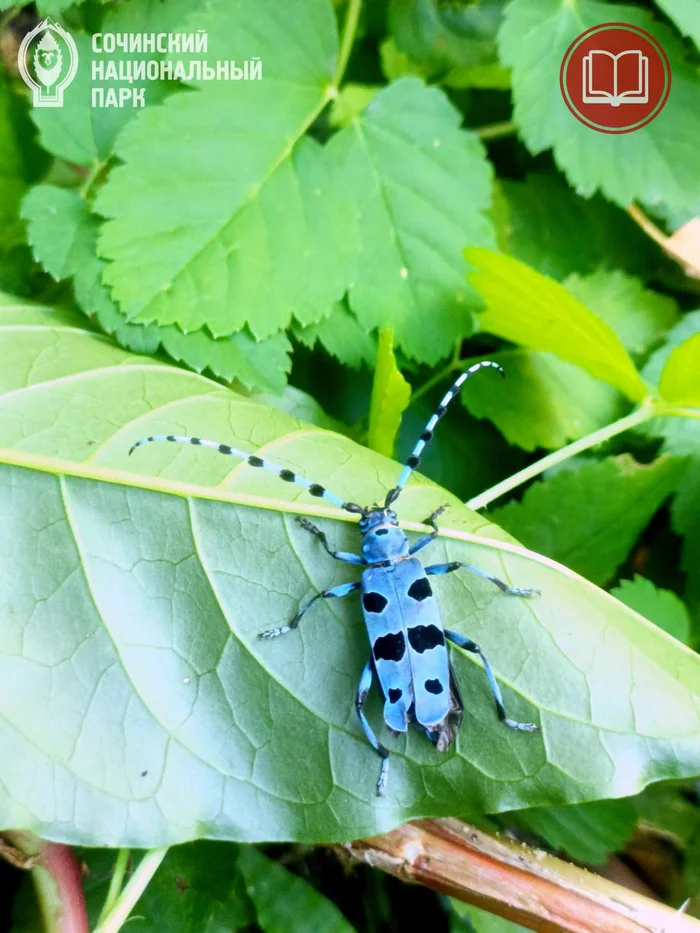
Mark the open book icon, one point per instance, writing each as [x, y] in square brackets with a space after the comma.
[615, 79]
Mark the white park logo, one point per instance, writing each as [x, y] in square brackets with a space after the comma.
[47, 61]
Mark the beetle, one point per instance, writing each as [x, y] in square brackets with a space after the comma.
[409, 654]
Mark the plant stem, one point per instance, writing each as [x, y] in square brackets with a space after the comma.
[642, 221]
[138, 883]
[496, 130]
[639, 416]
[454, 363]
[349, 29]
[116, 882]
[91, 178]
[524, 885]
[57, 881]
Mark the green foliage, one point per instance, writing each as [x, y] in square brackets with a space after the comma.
[203, 554]
[217, 888]
[588, 832]
[421, 185]
[589, 517]
[390, 396]
[531, 309]
[655, 163]
[662, 607]
[63, 233]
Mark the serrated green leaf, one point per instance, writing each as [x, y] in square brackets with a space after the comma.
[390, 397]
[589, 832]
[662, 607]
[82, 133]
[544, 223]
[639, 316]
[537, 312]
[341, 335]
[680, 379]
[543, 401]
[655, 163]
[685, 14]
[589, 518]
[420, 185]
[138, 707]
[63, 236]
[198, 237]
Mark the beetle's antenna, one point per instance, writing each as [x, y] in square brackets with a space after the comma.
[289, 476]
[426, 436]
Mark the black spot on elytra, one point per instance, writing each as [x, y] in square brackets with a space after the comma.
[424, 637]
[395, 694]
[420, 589]
[389, 647]
[434, 686]
[374, 602]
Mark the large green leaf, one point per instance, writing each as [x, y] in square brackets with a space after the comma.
[137, 705]
[421, 185]
[224, 213]
[657, 163]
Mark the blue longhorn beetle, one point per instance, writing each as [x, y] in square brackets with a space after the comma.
[409, 654]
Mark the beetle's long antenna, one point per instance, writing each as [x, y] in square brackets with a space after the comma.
[426, 436]
[288, 476]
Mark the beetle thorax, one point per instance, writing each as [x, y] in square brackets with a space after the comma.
[382, 539]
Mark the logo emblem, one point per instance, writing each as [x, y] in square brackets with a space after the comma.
[47, 61]
[615, 78]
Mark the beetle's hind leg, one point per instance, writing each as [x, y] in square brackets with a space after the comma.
[468, 645]
[362, 690]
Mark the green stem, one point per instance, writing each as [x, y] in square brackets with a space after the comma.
[115, 885]
[496, 130]
[454, 363]
[639, 416]
[349, 29]
[91, 178]
[126, 901]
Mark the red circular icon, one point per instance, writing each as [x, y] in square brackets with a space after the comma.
[615, 78]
